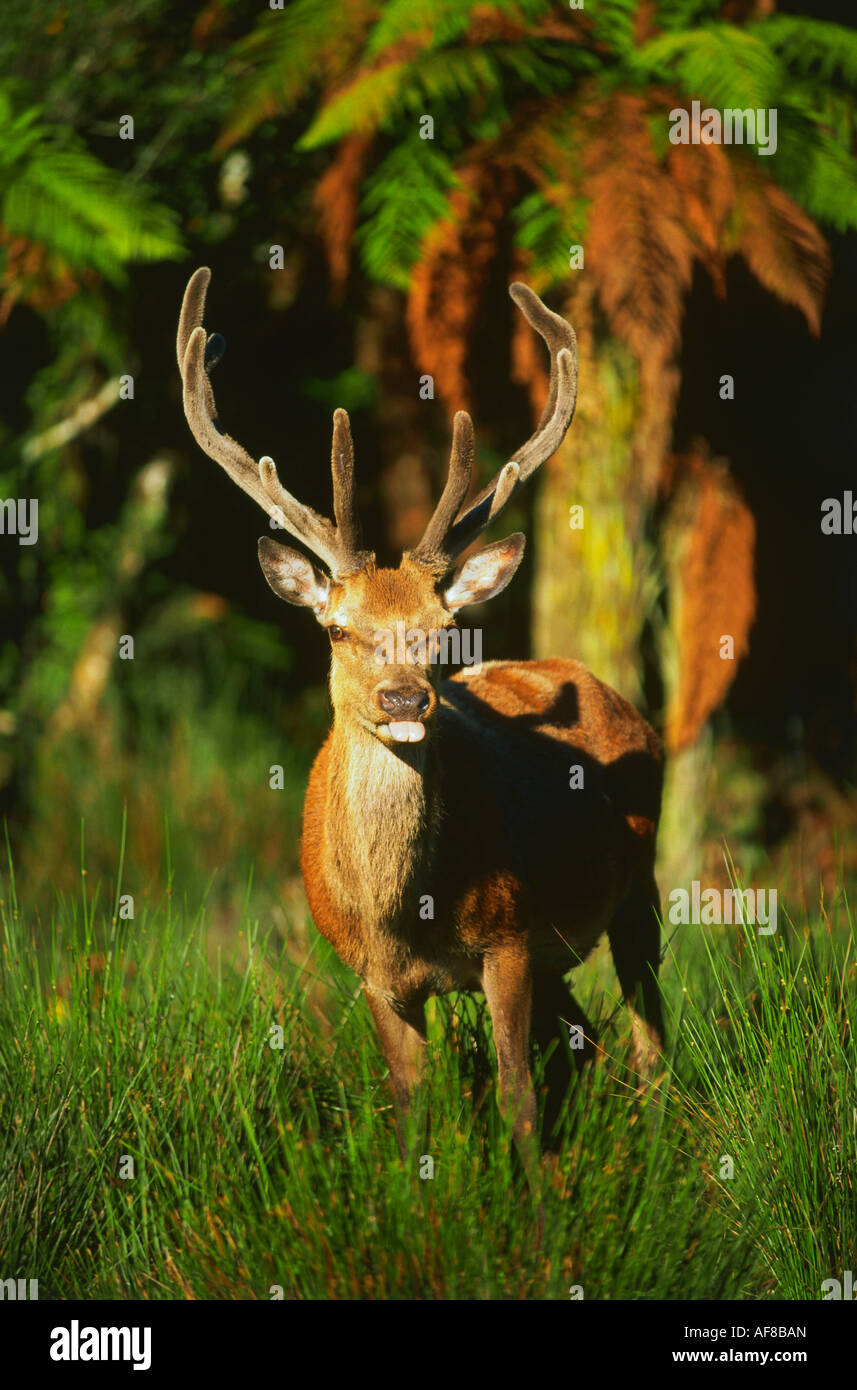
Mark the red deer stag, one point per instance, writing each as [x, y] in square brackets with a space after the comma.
[445, 844]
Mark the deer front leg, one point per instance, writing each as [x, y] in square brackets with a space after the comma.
[403, 1038]
[508, 987]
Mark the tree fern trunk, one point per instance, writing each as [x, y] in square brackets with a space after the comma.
[595, 587]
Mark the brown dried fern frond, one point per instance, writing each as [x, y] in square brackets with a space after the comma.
[703, 177]
[710, 544]
[337, 199]
[783, 247]
[639, 250]
[447, 281]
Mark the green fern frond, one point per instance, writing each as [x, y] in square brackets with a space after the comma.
[370, 102]
[547, 67]
[61, 197]
[374, 100]
[818, 172]
[289, 51]
[811, 46]
[546, 233]
[454, 73]
[405, 196]
[613, 23]
[720, 65]
[442, 22]
[20, 132]
[361, 108]
[78, 208]
[439, 22]
[674, 15]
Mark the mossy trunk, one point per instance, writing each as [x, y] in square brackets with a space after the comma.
[594, 584]
[598, 589]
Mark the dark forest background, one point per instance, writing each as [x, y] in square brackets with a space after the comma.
[300, 128]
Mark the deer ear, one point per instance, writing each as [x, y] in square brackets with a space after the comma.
[293, 577]
[484, 574]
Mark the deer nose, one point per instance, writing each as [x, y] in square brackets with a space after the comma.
[403, 704]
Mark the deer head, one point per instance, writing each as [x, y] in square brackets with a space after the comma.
[354, 600]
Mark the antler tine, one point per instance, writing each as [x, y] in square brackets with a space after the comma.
[431, 548]
[192, 346]
[547, 437]
[196, 355]
[344, 499]
[316, 532]
[558, 335]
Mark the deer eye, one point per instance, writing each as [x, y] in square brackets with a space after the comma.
[336, 634]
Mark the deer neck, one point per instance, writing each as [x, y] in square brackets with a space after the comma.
[383, 808]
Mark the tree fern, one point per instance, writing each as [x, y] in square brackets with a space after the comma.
[496, 98]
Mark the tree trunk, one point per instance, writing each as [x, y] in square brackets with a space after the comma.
[597, 588]
[595, 584]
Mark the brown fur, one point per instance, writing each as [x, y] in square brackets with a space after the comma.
[525, 873]
[477, 815]
[497, 766]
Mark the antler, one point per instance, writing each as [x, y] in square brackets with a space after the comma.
[451, 530]
[338, 546]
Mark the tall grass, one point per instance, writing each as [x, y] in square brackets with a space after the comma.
[160, 1139]
[191, 756]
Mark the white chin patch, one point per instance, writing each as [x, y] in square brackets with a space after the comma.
[404, 731]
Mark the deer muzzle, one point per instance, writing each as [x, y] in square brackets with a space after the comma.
[407, 705]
